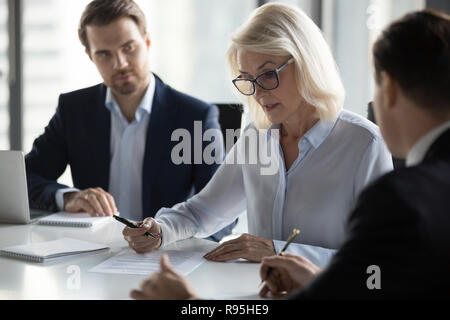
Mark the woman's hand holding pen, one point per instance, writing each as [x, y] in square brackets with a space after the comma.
[138, 241]
[289, 272]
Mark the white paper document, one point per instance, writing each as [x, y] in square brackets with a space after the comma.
[129, 262]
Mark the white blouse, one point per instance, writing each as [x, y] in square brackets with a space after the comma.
[336, 160]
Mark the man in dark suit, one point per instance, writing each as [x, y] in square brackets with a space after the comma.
[398, 242]
[117, 136]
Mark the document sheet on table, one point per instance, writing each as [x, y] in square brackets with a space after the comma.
[129, 262]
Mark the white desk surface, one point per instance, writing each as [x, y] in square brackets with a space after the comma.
[20, 279]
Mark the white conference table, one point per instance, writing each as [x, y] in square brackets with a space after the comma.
[21, 279]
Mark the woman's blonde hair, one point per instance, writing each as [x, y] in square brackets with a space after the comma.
[282, 30]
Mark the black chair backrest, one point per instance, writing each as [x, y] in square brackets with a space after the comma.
[230, 116]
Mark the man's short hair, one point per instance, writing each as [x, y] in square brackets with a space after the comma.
[415, 51]
[104, 12]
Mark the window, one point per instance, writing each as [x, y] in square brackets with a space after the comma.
[54, 63]
[4, 87]
[189, 39]
[350, 28]
[54, 60]
[189, 43]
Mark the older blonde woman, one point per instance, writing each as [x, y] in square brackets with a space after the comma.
[284, 71]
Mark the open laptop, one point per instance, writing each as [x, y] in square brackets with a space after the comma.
[14, 207]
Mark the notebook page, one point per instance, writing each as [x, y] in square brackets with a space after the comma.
[72, 220]
[55, 248]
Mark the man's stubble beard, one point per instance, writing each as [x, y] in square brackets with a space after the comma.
[126, 88]
[130, 87]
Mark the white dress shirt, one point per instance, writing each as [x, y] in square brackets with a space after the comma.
[127, 155]
[336, 160]
[420, 148]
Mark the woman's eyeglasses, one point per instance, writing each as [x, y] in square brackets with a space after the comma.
[268, 80]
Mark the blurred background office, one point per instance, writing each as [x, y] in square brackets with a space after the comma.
[41, 56]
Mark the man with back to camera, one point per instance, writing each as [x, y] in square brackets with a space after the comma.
[116, 136]
[398, 240]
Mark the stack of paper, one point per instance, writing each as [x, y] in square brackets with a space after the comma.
[44, 251]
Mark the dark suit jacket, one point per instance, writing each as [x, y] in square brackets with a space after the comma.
[401, 224]
[79, 135]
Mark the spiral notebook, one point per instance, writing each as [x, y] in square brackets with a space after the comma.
[49, 250]
[81, 220]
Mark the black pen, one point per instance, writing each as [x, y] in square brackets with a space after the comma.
[132, 225]
[288, 241]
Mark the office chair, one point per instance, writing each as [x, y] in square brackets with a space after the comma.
[230, 116]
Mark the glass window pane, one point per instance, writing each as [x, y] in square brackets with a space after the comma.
[189, 40]
[4, 88]
[54, 60]
[353, 28]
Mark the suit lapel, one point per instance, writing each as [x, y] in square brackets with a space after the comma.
[100, 137]
[158, 138]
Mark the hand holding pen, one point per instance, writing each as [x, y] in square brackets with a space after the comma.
[288, 273]
[295, 232]
[130, 224]
[143, 237]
